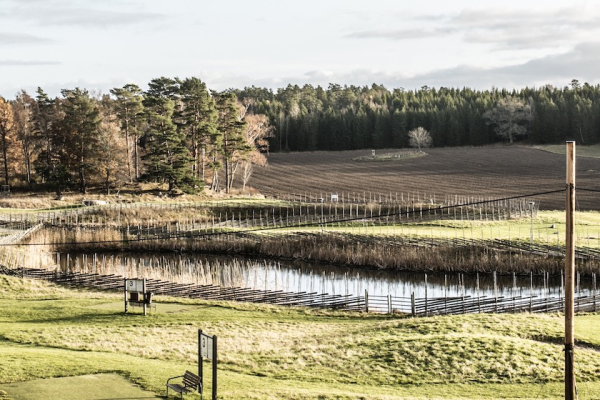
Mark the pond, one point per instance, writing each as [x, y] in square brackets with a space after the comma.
[297, 276]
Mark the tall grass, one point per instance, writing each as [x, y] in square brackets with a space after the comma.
[352, 250]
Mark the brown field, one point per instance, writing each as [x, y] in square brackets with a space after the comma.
[497, 172]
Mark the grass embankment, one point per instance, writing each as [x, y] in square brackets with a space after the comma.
[268, 352]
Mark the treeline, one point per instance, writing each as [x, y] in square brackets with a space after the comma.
[352, 117]
[180, 133]
[177, 132]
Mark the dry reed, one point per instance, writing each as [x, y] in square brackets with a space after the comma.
[353, 250]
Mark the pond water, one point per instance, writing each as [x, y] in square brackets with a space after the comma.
[296, 276]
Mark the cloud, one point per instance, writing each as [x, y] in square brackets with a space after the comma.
[525, 29]
[582, 63]
[501, 28]
[23, 63]
[400, 34]
[66, 13]
[20, 39]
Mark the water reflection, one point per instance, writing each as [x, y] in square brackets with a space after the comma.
[297, 276]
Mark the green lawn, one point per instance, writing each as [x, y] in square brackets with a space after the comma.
[268, 352]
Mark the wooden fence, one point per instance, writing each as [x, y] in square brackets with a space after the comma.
[417, 307]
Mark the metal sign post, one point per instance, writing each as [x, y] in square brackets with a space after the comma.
[207, 348]
[135, 288]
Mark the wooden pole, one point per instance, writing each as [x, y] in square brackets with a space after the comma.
[214, 369]
[125, 293]
[569, 274]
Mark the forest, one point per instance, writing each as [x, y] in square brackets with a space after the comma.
[176, 133]
[350, 117]
[180, 133]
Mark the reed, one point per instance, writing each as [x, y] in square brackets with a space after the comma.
[398, 253]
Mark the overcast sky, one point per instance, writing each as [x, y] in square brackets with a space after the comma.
[101, 44]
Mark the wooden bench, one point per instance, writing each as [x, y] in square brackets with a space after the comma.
[189, 384]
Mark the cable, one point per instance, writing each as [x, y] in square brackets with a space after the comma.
[302, 225]
[588, 190]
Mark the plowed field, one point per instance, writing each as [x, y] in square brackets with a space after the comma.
[496, 172]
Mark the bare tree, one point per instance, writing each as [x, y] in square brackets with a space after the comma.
[25, 130]
[6, 128]
[258, 130]
[509, 117]
[419, 137]
[112, 164]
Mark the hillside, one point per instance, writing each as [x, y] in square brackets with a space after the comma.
[269, 352]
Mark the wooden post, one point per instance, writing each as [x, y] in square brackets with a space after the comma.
[125, 292]
[426, 308]
[569, 274]
[214, 369]
[144, 295]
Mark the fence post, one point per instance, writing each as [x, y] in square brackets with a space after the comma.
[495, 293]
[530, 291]
[390, 310]
[366, 300]
[413, 306]
[594, 287]
[426, 302]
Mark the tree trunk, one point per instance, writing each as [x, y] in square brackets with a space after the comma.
[203, 162]
[232, 174]
[127, 145]
[226, 175]
[108, 181]
[27, 160]
[82, 185]
[135, 157]
[5, 160]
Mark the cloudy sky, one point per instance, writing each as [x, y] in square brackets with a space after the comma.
[101, 44]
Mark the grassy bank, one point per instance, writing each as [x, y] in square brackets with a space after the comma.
[268, 352]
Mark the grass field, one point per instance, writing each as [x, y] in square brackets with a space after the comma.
[268, 352]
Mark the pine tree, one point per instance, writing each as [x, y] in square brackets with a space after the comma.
[199, 118]
[167, 156]
[80, 126]
[130, 111]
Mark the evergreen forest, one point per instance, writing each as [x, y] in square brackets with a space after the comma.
[350, 117]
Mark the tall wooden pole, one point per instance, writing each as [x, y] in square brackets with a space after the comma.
[569, 274]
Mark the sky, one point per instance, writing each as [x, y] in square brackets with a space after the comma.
[103, 44]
